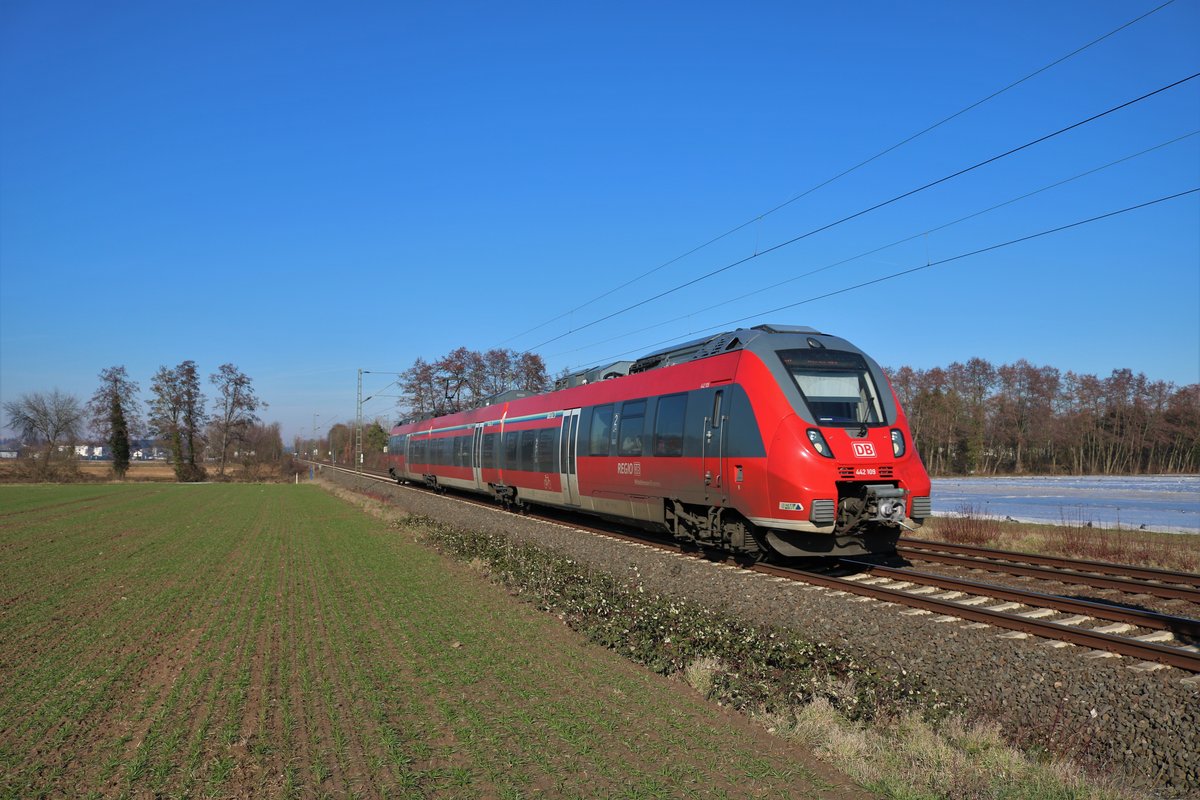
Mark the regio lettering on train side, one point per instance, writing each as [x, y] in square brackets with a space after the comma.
[629, 468]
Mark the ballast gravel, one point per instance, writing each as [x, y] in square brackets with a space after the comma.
[1144, 724]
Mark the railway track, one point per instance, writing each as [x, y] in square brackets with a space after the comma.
[1145, 635]
[1097, 574]
[1104, 629]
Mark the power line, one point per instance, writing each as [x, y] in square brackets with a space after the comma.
[868, 210]
[843, 173]
[912, 270]
[909, 238]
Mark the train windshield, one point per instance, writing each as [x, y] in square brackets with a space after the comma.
[836, 385]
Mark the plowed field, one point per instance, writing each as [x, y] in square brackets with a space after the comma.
[272, 641]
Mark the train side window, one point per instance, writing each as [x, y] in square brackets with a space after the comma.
[668, 425]
[546, 450]
[528, 443]
[716, 415]
[601, 425]
[633, 420]
[487, 451]
[512, 441]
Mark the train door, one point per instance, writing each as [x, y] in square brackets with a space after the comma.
[568, 451]
[712, 449]
[477, 456]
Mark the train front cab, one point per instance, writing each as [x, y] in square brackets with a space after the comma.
[843, 476]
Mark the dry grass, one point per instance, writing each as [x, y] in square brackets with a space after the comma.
[960, 760]
[80, 471]
[700, 673]
[24, 469]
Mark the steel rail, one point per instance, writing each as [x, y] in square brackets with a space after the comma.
[1147, 651]
[1104, 567]
[1163, 590]
[1115, 613]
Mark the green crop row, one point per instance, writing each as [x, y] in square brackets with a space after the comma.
[272, 641]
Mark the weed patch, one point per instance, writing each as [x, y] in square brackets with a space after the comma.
[737, 664]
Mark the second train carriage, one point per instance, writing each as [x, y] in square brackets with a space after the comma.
[769, 439]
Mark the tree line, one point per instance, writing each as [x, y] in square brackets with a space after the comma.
[176, 417]
[339, 444]
[977, 418]
[464, 379]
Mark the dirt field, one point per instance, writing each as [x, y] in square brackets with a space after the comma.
[249, 640]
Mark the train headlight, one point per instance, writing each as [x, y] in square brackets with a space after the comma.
[898, 445]
[819, 444]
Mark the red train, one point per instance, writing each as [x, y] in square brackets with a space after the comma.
[768, 440]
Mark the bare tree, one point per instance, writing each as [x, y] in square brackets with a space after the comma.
[341, 442]
[417, 383]
[166, 413]
[116, 415]
[464, 379]
[1038, 419]
[261, 451]
[531, 373]
[50, 419]
[236, 407]
[177, 415]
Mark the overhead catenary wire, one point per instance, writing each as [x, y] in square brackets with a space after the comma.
[874, 250]
[843, 173]
[870, 209]
[910, 271]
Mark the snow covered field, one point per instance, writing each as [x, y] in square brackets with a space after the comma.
[1160, 503]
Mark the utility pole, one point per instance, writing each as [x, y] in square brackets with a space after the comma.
[358, 453]
[316, 441]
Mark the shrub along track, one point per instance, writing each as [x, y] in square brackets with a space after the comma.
[272, 641]
[1142, 724]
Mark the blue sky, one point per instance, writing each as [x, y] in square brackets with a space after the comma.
[304, 191]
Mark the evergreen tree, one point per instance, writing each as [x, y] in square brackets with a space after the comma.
[115, 413]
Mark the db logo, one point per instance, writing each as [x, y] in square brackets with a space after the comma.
[864, 450]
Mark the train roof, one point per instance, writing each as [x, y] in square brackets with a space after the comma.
[680, 353]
